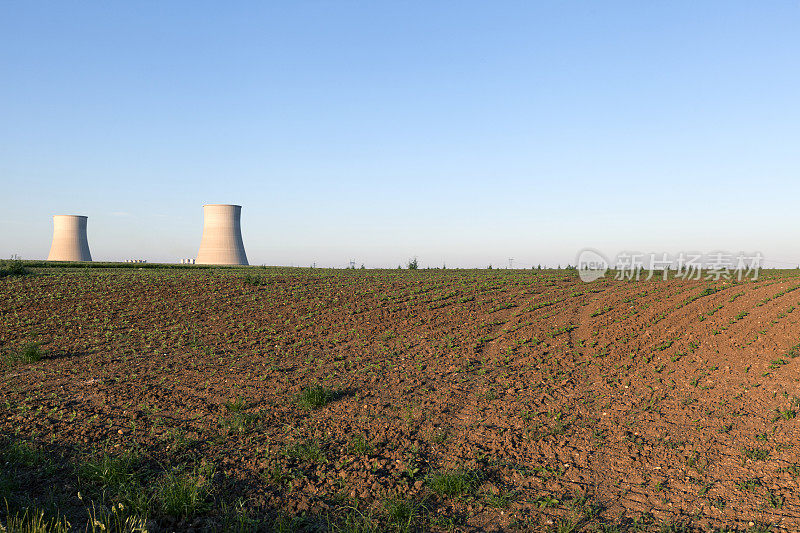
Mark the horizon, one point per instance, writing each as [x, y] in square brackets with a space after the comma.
[461, 134]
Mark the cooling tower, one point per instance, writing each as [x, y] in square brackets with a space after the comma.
[69, 239]
[222, 236]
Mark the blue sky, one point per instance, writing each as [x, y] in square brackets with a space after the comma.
[463, 133]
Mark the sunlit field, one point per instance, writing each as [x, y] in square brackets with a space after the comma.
[277, 399]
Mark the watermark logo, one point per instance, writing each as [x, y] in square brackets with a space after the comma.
[592, 265]
[635, 266]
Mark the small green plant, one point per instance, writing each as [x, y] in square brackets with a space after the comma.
[756, 454]
[500, 500]
[358, 445]
[345, 520]
[30, 353]
[308, 450]
[785, 414]
[277, 474]
[750, 484]
[454, 482]
[239, 419]
[401, 513]
[236, 406]
[566, 525]
[107, 470]
[546, 500]
[183, 493]
[314, 397]
[777, 363]
[775, 500]
[254, 280]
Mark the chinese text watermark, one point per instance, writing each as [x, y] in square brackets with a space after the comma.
[635, 266]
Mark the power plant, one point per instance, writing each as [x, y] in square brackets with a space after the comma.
[222, 236]
[69, 239]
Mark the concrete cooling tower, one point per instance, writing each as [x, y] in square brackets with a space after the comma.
[69, 239]
[222, 236]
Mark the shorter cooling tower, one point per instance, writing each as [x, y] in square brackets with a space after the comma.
[222, 236]
[69, 239]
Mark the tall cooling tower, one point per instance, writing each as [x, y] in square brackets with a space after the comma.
[222, 236]
[69, 239]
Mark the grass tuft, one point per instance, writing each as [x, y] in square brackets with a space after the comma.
[401, 514]
[359, 445]
[107, 470]
[314, 397]
[308, 450]
[181, 493]
[30, 353]
[454, 482]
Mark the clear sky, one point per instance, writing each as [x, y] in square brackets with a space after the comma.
[460, 132]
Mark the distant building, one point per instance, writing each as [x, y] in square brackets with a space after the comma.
[222, 236]
[69, 239]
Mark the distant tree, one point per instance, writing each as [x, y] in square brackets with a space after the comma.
[413, 264]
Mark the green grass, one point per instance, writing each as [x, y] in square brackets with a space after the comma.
[501, 500]
[314, 397]
[115, 477]
[454, 482]
[117, 519]
[401, 514]
[12, 267]
[756, 454]
[749, 484]
[255, 280]
[359, 445]
[21, 453]
[238, 419]
[30, 353]
[182, 493]
[785, 414]
[32, 520]
[347, 520]
[307, 450]
[107, 471]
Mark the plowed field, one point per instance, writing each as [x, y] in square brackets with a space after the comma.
[296, 399]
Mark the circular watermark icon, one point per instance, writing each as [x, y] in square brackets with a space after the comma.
[592, 265]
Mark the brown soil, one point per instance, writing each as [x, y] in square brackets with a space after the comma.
[628, 403]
